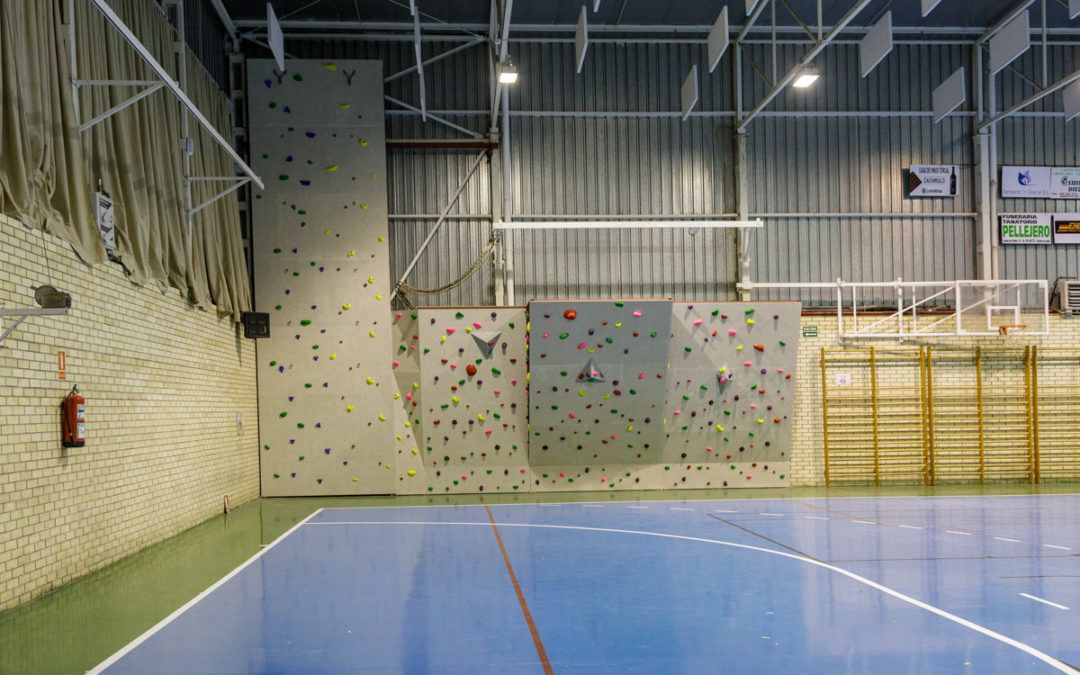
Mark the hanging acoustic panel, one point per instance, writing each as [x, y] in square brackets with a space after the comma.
[876, 45]
[581, 40]
[950, 95]
[719, 38]
[689, 94]
[1071, 99]
[1009, 43]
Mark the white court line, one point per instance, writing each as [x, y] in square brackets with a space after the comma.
[816, 518]
[594, 506]
[864, 522]
[645, 508]
[910, 527]
[191, 603]
[1026, 648]
[706, 499]
[1014, 541]
[1061, 548]
[1045, 602]
[780, 515]
[680, 508]
[725, 511]
[966, 534]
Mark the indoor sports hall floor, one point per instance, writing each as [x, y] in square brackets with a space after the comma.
[962, 583]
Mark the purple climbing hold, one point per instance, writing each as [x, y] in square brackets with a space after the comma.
[310, 134]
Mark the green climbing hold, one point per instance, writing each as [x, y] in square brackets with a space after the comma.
[783, 344]
[277, 250]
[283, 177]
[496, 371]
[749, 311]
[299, 425]
[563, 336]
[314, 346]
[688, 349]
[298, 77]
[277, 307]
[460, 315]
[307, 385]
[283, 414]
[305, 322]
[273, 363]
[618, 304]
[716, 312]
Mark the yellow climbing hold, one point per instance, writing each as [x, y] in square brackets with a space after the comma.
[480, 417]
[371, 333]
[415, 385]
[363, 206]
[442, 340]
[618, 324]
[329, 66]
[351, 254]
[406, 425]
[397, 437]
[363, 143]
[346, 306]
[749, 322]
[415, 451]
[350, 408]
[468, 329]
[760, 421]
[382, 239]
[326, 231]
[332, 168]
[371, 280]
[354, 479]
[411, 472]
[629, 427]
[333, 356]
[371, 380]
[455, 399]
[720, 428]
[582, 393]
[739, 348]
[378, 296]
[382, 418]
[397, 396]
[344, 106]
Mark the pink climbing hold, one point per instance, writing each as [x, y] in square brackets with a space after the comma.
[546, 335]
[487, 432]
[697, 322]
[583, 345]
[477, 324]
[676, 412]
[498, 392]
[723, 380]
[451, 330]
[708, 449]
[571, 416]
[637, 314]
[747, 364]
[732, 332]
[641, 376]
[397, 363]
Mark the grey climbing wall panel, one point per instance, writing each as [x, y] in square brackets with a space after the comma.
[473, 383]
[321, 270]
[731, 394]
[407, 409]
[597, 387]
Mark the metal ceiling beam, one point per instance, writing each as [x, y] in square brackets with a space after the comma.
[419, 59]
[159, 70]
[226, 20]
[433, 118]
[434, 59]
[753, 17]
[504, 45]
[437, 31]
[806, 60]
[1060, 84]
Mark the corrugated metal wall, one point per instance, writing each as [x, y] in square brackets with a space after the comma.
[609, 142]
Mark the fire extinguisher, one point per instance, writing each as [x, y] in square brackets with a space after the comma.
[73, 419]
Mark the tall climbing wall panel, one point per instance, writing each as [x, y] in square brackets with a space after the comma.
[598, 384]
[321, 271]
[731, 395]
[405, 330]
[473, 386]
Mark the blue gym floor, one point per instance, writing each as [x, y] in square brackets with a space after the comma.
[939, 584]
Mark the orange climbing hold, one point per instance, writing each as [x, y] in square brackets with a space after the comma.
[570, 314]
[760, 348]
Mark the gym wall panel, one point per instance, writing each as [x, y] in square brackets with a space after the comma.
[322, 271]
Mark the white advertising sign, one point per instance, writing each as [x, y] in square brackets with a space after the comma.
[933, 180]
[1025, 228]
[1057, 182]
[1067, 228]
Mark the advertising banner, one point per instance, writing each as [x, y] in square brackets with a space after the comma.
[1067, 228]
[932, 180]
[1025, 228]
[1057, 182]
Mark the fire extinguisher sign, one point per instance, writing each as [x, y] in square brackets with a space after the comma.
[61, 365]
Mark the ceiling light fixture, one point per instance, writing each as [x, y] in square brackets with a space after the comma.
[508, 73]
[807, 76]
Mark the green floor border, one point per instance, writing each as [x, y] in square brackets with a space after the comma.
[79, 625]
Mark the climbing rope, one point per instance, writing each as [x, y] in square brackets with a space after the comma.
[404, 288]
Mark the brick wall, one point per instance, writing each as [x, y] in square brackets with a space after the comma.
[164, 383]
[808, 458]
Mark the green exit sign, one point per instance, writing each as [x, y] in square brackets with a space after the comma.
[809, 331]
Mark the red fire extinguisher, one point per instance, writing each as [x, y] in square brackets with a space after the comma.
[73, 419]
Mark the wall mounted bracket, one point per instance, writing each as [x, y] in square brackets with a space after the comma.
[22, 314]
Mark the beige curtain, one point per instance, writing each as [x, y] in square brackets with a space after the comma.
[136, 154]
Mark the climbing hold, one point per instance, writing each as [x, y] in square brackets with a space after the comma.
[732, 332]
[570, 315]
[759, 347]
[470, 369]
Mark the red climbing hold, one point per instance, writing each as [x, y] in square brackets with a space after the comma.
[760, 348]
[569, 315]
[470, 369]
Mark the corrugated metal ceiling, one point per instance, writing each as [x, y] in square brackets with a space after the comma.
[950, 13]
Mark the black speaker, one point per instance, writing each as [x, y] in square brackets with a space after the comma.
[256, 324]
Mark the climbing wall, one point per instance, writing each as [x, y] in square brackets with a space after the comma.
[321, 271]
[473, 384]
[730, 397]
[597, 389]
[405, 331]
